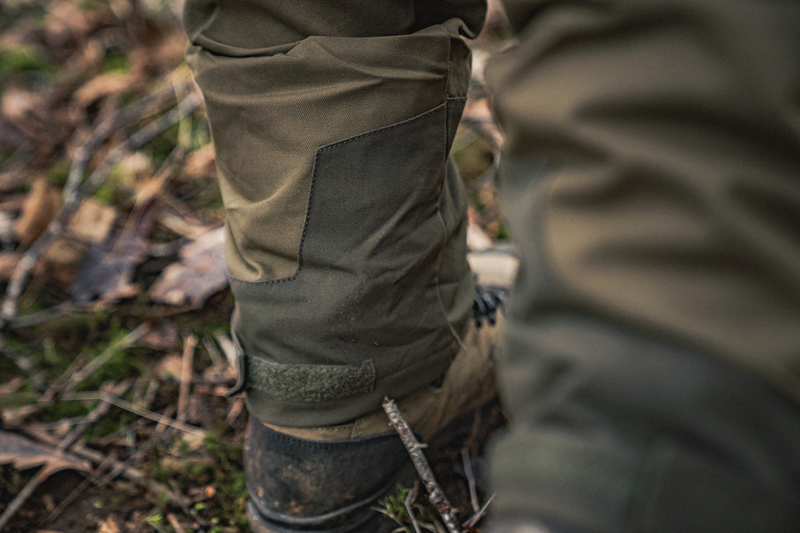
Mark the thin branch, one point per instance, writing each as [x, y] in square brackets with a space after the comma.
[96, 414]
[228, 348]
[186, 375]
[137, 410]
[55, 387]
[414, 447]
[23, 495]
[107, 354]
[477, 516]
[173, 521]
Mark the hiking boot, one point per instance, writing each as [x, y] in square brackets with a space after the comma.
[330, 479]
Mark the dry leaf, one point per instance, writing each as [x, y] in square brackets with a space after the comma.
[106, 271]
[170, 367]
[200, 273]
[201, 162]
[41, 206]
[106, 84]
[163, 337]
[93, 221]
[8, 262]
[109, 525]
[23, 453]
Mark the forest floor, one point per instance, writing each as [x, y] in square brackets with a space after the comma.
[115, 347]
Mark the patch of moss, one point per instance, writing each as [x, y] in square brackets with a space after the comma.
[24, 59]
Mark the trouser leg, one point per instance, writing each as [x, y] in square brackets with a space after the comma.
[332, 123]
[650, 178]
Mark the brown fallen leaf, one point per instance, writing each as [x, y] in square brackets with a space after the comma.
[170, 367]
[107, 270]
[200, 273]
[40, 207]
[92, 222]
[162, 337]
[8, 262]
[109, 83]
[109, 526]
[23, 453]
[200, 163]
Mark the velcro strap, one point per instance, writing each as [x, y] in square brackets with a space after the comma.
[309, 383]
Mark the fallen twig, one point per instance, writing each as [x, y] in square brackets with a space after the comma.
[173, 521]
[138, 410]
[477, 516]
[228, 348]
[24, 364]
[55, 387]
[414, 447]
[186, 375]
[98, 412]
[107, 354]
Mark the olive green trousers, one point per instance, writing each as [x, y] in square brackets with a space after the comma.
[651, 180]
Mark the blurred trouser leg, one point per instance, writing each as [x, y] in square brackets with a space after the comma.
[332, 123]
[652, 180]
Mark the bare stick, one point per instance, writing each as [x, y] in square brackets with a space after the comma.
[96, 414]
[99, 136]
[435, 493]
[477, 516]
[146, 413]
[473, 493]
[107, 354]
[55, 387]
[46, 315]
[173, 521]
[186, 375]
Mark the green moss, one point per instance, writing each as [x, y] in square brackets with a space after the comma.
[115, 61]
[24, 59]
[58, 173]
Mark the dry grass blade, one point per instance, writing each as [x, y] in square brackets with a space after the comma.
[473, 492]
[412, 494]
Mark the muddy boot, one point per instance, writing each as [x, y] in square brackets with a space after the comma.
[330, 479]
